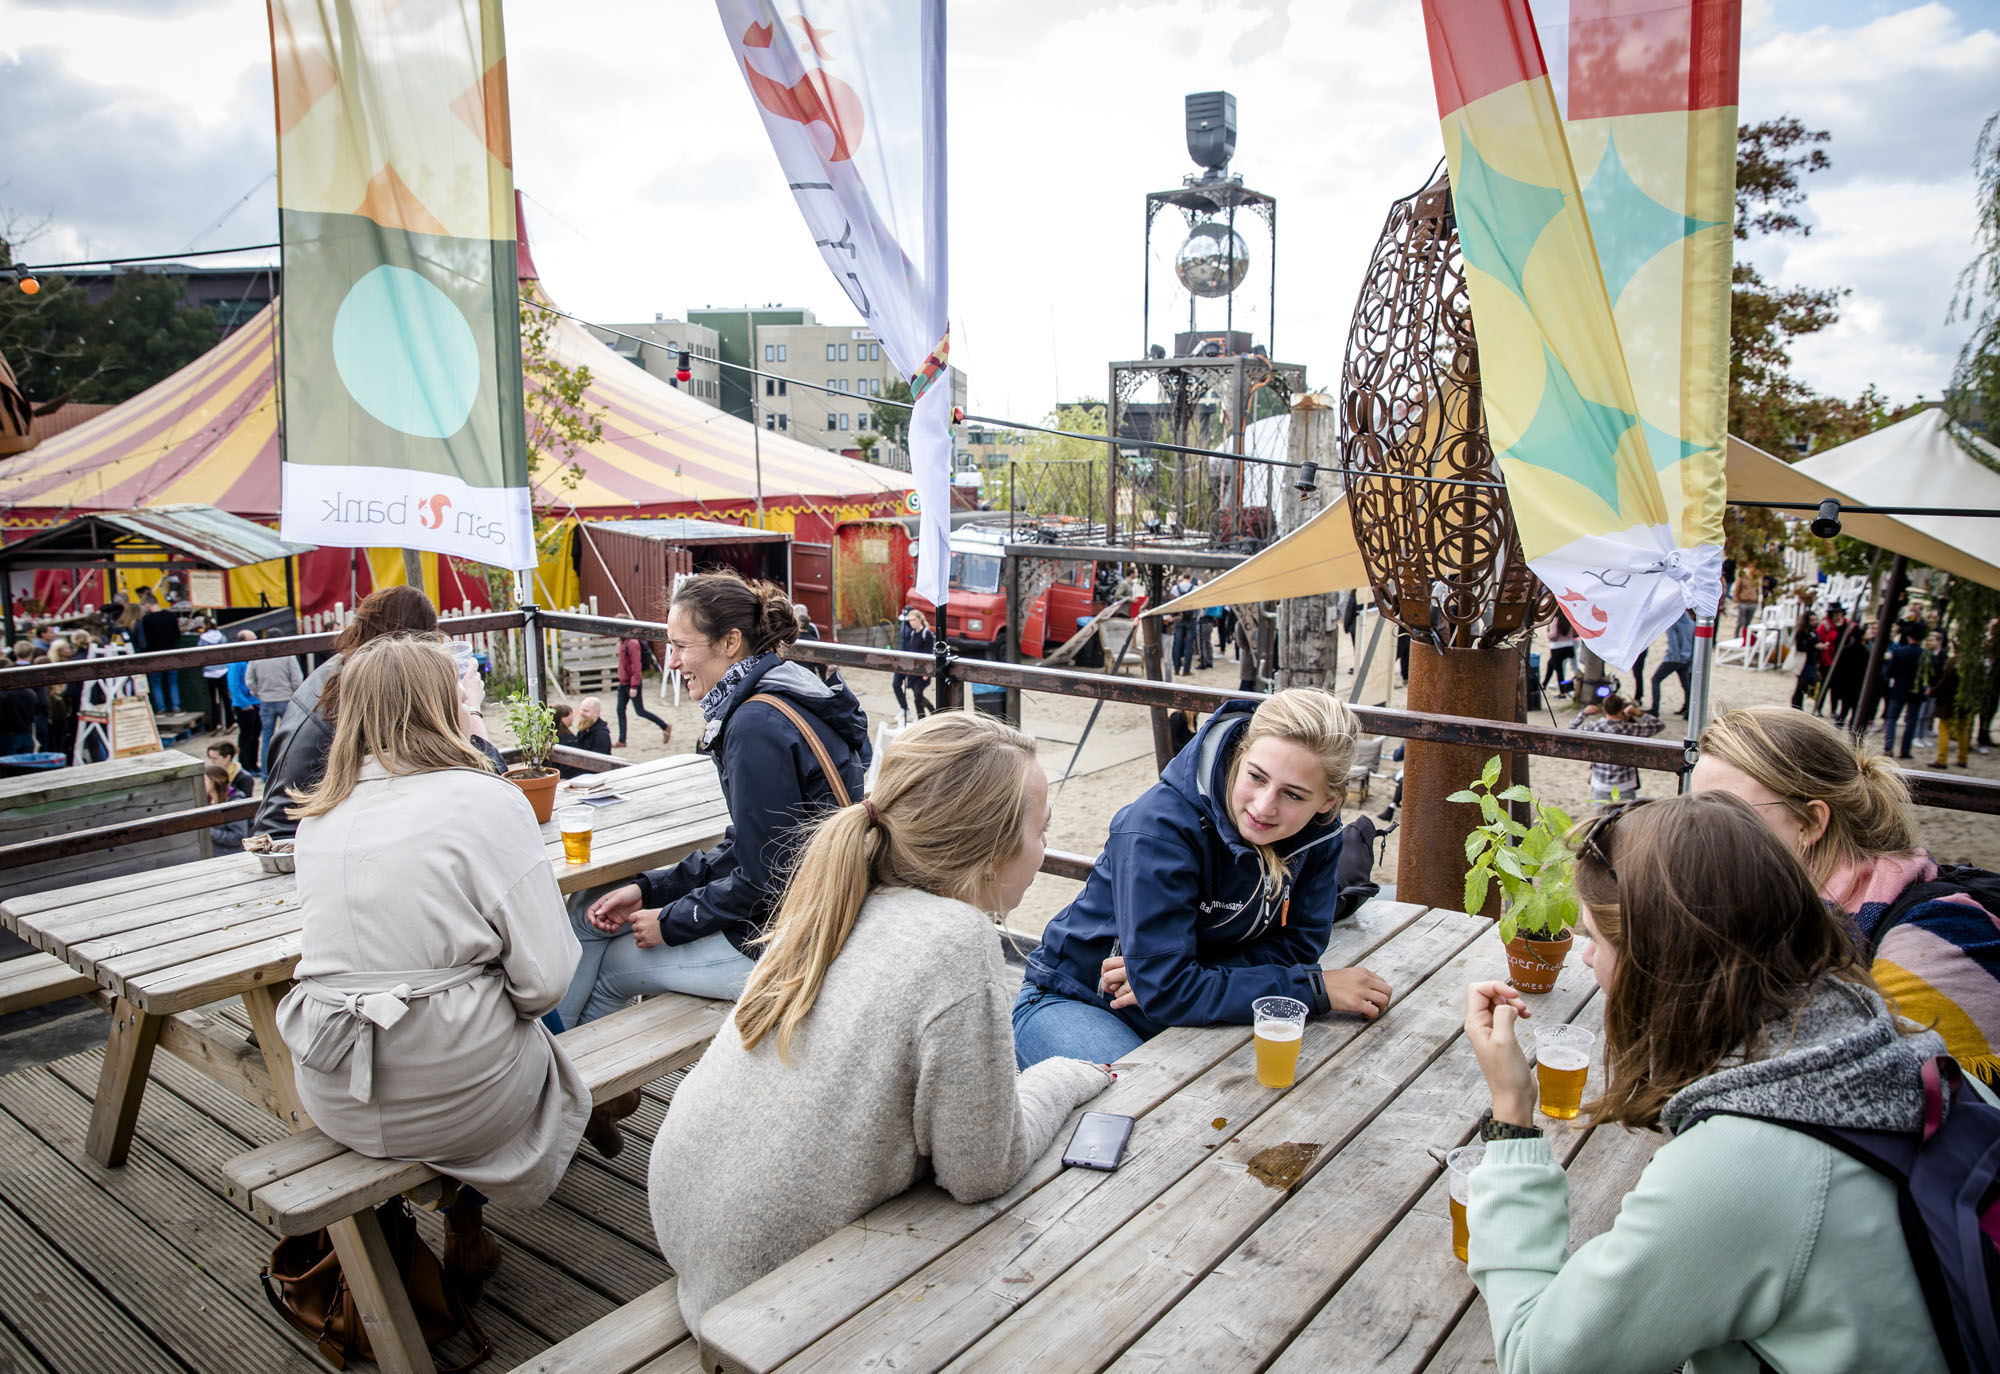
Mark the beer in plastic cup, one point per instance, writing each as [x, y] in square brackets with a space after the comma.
[1280, 1027]
[1460, 1163]
[576, 822]
[1562, 1062]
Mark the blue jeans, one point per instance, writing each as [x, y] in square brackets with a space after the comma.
[614, 970]
[270, 713]
[1184, 644]
[23, 743]
[166, 690]
[1048, 1025]
[1899, 704]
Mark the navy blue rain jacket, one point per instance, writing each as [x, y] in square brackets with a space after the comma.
[773, 785]
[1183, 895]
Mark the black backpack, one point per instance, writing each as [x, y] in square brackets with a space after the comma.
[1951, 880]
[1947, 1178]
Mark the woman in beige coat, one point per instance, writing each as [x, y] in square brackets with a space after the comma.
[434, 940]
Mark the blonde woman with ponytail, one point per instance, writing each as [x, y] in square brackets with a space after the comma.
[1219, 886]
[1933, 934]
[872, 1039]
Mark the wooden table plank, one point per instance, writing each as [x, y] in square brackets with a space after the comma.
[802, 1300]
[1392, 1310]
[942, 1309]
[1252, 1302]
[1112, 1296]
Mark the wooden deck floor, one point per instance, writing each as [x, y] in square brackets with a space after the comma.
[147, 1267]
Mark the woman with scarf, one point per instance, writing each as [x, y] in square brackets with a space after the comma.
[1934, 944]
[1748, 1242]
[690, 928]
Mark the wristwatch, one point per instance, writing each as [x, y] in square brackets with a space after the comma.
[1491, 1130]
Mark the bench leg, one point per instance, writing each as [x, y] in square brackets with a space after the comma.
[128, 1055]
[379, 1295]
[262, 1005]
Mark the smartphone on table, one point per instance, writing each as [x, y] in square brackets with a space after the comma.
[1098, 1142]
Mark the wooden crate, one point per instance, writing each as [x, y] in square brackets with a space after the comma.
[40, 805]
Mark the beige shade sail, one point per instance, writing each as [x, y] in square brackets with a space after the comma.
[1318, 556]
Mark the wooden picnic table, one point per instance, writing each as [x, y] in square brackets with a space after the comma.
[1248, 1228]
[163, 944]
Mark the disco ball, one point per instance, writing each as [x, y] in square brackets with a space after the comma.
[1213, 261]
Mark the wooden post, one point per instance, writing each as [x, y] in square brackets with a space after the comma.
[1430, 864]
[1308, 632]
[1156, 662]
[128, 1056]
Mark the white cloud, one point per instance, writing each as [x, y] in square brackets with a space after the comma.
[633, 128]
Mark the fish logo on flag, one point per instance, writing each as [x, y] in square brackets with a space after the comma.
[400, 388]
[852, 95]
[1592, 148]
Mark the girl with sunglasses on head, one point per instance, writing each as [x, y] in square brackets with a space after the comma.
[1734, 1001]
[1933, 941]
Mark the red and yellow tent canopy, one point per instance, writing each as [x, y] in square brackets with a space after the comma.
[209, 434]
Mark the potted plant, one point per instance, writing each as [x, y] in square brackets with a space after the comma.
[534, 727]
[1536, 871]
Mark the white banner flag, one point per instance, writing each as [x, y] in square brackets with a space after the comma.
[852, 94]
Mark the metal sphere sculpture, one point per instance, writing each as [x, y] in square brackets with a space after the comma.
[1444, 558]
[1213, 261]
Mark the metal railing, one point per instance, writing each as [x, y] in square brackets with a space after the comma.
[1948, 791]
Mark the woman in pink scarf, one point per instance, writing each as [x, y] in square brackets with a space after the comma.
[1935, 945]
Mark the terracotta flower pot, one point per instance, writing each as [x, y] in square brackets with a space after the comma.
[1533, 964]
[539, 786]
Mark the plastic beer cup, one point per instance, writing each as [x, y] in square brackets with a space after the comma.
[576, 822]
[1562, 1063]
[1279, 1029]
[1460, 1163]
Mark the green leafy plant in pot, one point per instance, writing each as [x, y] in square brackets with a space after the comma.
[1536, 871]
[534, 727]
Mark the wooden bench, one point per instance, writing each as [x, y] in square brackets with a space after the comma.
[307, 1181]
[35, 979]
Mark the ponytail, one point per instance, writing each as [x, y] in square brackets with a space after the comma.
[950, 807]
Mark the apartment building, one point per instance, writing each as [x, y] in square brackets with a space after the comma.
[848, 361]
[656, 346]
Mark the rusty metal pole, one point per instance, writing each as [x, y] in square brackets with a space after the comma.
[1156, 662]
[1430, 865]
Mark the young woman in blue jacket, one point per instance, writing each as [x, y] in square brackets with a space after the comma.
[1217, 887]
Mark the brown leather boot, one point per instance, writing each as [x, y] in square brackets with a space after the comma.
[602, 1128]
[471, 1254]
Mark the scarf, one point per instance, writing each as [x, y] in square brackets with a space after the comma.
[718, 697]
[1939, 964]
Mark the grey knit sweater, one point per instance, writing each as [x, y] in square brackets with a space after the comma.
[906, 1058]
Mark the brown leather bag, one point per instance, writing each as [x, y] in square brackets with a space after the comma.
[304, 1282]
[784, 709]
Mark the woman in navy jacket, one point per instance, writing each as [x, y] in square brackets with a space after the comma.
[1217, 887]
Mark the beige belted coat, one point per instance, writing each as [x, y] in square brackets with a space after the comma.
[434, 940]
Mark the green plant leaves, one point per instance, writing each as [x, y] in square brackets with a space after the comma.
[1477, 883]
[1490, 774]
[1462, 795]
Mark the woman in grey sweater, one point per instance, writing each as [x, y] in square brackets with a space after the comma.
[873, 1039]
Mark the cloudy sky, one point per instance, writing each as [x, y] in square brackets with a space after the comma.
[140, 126]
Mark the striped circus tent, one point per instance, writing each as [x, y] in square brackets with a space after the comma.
[209, 434]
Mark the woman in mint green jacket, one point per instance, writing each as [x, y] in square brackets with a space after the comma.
[1731, 992]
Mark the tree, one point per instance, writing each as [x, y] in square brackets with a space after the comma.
[64, 347]
[1058, 474]
[1768, 406]
[1974, 398]
[866, 443]
[889, 413]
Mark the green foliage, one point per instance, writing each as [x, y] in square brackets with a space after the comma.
[889, 413]
[1974, 398]
[866, 442]
[1059, 475]
[65, 348]
[534, 727]
[561, 419]
[1535, 868]
[1975, 614]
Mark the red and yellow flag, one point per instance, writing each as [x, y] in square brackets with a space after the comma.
[1592, 146]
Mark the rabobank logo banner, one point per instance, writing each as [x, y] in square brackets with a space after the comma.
[369, 507]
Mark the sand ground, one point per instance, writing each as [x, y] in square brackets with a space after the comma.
[1115, 764]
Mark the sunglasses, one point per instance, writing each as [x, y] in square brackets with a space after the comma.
[1593, 837]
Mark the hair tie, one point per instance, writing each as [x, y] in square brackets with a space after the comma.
[868, 805]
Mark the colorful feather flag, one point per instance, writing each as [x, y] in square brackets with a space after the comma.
[852, 94]
[400, 387]
[1592, 147]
